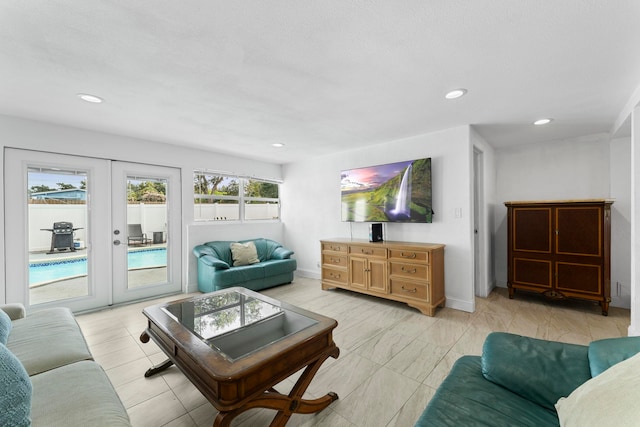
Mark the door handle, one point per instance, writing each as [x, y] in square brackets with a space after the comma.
[116, 242]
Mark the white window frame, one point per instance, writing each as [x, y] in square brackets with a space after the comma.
[240, 198]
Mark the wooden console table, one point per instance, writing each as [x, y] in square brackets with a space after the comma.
[412, 273]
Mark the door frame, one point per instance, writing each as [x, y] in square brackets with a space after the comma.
[120, 171]
[99, 242]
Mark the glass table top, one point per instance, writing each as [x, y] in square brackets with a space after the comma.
[237, 323]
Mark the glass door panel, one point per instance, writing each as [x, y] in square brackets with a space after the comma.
[57, 227]
[146, 231]
[57, 254]
[146, 228]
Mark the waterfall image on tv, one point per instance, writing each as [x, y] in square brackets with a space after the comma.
[394, 192]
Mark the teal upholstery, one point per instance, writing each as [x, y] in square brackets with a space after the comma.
[605, 353]
[540, 371]
[15, 391]
[517, 380]
[216, 270]
[5, 327]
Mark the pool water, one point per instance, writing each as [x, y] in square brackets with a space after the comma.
[62, 269]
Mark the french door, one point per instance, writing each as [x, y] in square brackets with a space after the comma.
[67, 233]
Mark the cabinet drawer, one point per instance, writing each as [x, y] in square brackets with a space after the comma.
[413, 271]
[368, 251]
[337, 260]
[409, 256]
[409, 289]
[334, 247]
[335, 275]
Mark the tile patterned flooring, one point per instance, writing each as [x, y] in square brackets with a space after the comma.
[392, 358]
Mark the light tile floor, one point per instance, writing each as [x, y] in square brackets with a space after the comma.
[392, 358]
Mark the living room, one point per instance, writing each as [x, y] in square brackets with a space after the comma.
[599, 163]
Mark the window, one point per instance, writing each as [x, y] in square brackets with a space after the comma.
[232, 198]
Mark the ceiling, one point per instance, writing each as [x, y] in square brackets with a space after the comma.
[319, 76]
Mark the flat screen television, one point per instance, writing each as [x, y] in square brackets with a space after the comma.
[393, 192]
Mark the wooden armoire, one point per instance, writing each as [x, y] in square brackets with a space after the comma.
[560, 249]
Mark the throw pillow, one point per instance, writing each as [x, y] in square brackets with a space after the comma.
[244, 253]
[610, 399]
[5, 327]
[15, 391]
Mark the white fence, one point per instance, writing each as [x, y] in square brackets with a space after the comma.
[152, 217]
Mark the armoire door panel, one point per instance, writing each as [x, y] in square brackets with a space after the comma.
[584, 278]
[532, 230]
[532, 272]
[579, 231]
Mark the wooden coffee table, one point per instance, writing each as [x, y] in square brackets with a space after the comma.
[235, 345]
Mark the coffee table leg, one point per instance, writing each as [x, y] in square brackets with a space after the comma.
[287, 405]
[144, 337]
[158, 368]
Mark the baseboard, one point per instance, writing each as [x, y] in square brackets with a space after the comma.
[468, 306]
[308, 274]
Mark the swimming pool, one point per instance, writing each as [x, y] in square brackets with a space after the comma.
[44, 272]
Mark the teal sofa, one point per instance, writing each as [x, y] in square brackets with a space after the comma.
[518, 380]
[48, 376]
[216, 270]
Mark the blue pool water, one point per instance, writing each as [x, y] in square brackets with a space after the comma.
[56, 270]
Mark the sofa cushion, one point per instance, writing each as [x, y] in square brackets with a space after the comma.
[244, 253]
[607, 352]
[47, 339]
[466, 398]
[15, 391]
[79, 394]
[5, 327]
[609, 399]
[238, 275]
[275, 267]
[538, 370]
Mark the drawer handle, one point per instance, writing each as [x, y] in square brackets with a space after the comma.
[411, 256]
[413, 291]
[335, 276]
[335, 248]
[413, 271]
[335, 260]
[366, 252]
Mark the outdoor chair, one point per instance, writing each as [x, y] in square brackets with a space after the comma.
[135, 236]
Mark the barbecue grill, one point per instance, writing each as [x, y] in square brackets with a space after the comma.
[61, 236]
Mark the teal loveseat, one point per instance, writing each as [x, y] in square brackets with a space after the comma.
[216, 268]
[518, 381]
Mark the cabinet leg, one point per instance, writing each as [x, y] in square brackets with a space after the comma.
[605, 307]
[511, 292]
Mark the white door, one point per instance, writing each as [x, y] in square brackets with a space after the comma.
[59, 234]
[146, 231]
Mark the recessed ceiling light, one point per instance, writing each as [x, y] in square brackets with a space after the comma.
[277, 144]
[456, 93]
[90, 98]
[542, 122]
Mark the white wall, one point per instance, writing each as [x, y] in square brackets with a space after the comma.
[34, 135]
[620, 172]
[311, 210]
[581, 168]
[634, 327]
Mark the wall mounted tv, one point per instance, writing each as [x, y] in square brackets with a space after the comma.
[394, 192]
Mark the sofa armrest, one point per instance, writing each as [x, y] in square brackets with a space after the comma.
[538, 370]
[605, 353]
[281, 253]
[213, 261]
[15, 311]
